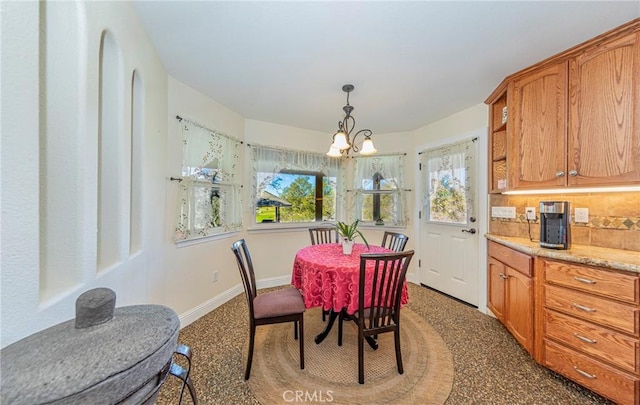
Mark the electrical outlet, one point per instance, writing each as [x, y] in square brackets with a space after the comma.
[215, 276]
[581, 215]
[530, 213]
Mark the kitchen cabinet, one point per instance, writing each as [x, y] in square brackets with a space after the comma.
[604, 114]
[538, 154]
[498, 122]
[591, 323]
[574, 119]
[510, 293]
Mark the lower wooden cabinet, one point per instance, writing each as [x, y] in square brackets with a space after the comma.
[580, 321]
[511, 292]
[608, 381]
[591, 327]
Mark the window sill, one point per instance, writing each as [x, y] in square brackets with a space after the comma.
[275, 227]
[205, 239]
[387, 227]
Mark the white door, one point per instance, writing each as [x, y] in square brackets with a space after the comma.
[449, 234]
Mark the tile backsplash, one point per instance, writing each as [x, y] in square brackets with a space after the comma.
[614, 218]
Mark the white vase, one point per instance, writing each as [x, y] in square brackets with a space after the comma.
[347, 246]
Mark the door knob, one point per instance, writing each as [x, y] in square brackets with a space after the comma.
[470, 230]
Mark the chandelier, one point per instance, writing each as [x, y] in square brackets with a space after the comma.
[342, 141]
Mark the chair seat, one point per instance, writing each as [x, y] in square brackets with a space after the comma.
[287, 301]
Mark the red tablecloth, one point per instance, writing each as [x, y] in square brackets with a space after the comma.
[328, 278]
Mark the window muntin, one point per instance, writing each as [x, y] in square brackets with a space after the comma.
[379, 200]
[378, 190]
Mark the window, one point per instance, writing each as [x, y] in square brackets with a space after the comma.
[447, 176]
[209, 196]
[294, 186]
[379, 194]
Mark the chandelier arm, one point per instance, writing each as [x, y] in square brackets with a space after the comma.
[365, 132]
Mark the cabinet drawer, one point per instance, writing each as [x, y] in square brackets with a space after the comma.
[616, 385]
[622, 317]
[516, 260]
[614, 348]
[619, 286]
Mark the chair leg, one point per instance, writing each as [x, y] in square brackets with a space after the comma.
[295, 330]
[252, 339]
[301, 326]
[340, 319]
[360, 357]
[396, 335]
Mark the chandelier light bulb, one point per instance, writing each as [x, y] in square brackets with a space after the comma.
[340, 141]
[334, 152]
[367, 147]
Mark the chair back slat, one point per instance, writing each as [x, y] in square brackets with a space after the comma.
[388, 273]
[394, 241]
[322, 235]
[245, 265]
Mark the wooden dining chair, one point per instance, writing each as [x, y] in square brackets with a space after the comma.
[394, 241]
[284, 305]
[321, 235]
[381, 313]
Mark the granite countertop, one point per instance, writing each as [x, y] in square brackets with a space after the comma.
[617, 259]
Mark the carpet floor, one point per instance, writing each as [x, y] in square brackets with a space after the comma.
[489, 366]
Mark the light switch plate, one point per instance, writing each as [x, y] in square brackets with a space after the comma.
[503, 212]
[581, 215]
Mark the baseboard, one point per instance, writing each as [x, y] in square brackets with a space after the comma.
[201, 310]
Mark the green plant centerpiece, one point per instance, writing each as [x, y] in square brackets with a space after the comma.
[349, 233]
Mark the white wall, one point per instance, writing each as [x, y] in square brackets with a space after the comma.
[50, 100]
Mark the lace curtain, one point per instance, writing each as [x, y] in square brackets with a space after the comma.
[448, 181]
[265, 159]
[391, 169]
[209, 199]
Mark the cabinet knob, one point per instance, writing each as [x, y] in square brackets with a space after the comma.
[573, 173]
[560, 174]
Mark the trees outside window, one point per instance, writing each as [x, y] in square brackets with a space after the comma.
[294, 186]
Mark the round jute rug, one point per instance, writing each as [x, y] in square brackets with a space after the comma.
[331, 371]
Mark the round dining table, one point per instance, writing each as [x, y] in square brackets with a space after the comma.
[328, 278]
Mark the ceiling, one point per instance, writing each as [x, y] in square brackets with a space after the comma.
[411, 62]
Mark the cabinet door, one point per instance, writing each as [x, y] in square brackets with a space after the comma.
[604, 127]
[496, 288]
[538, 151]
[519, 309]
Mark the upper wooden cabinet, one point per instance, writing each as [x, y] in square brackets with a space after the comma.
[538, 105]
[573, 119]
[604, 114]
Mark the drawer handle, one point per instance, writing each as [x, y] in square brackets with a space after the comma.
[504, 276]
[584, 339]
[583, 308]
[584, 280]
[584, 373]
